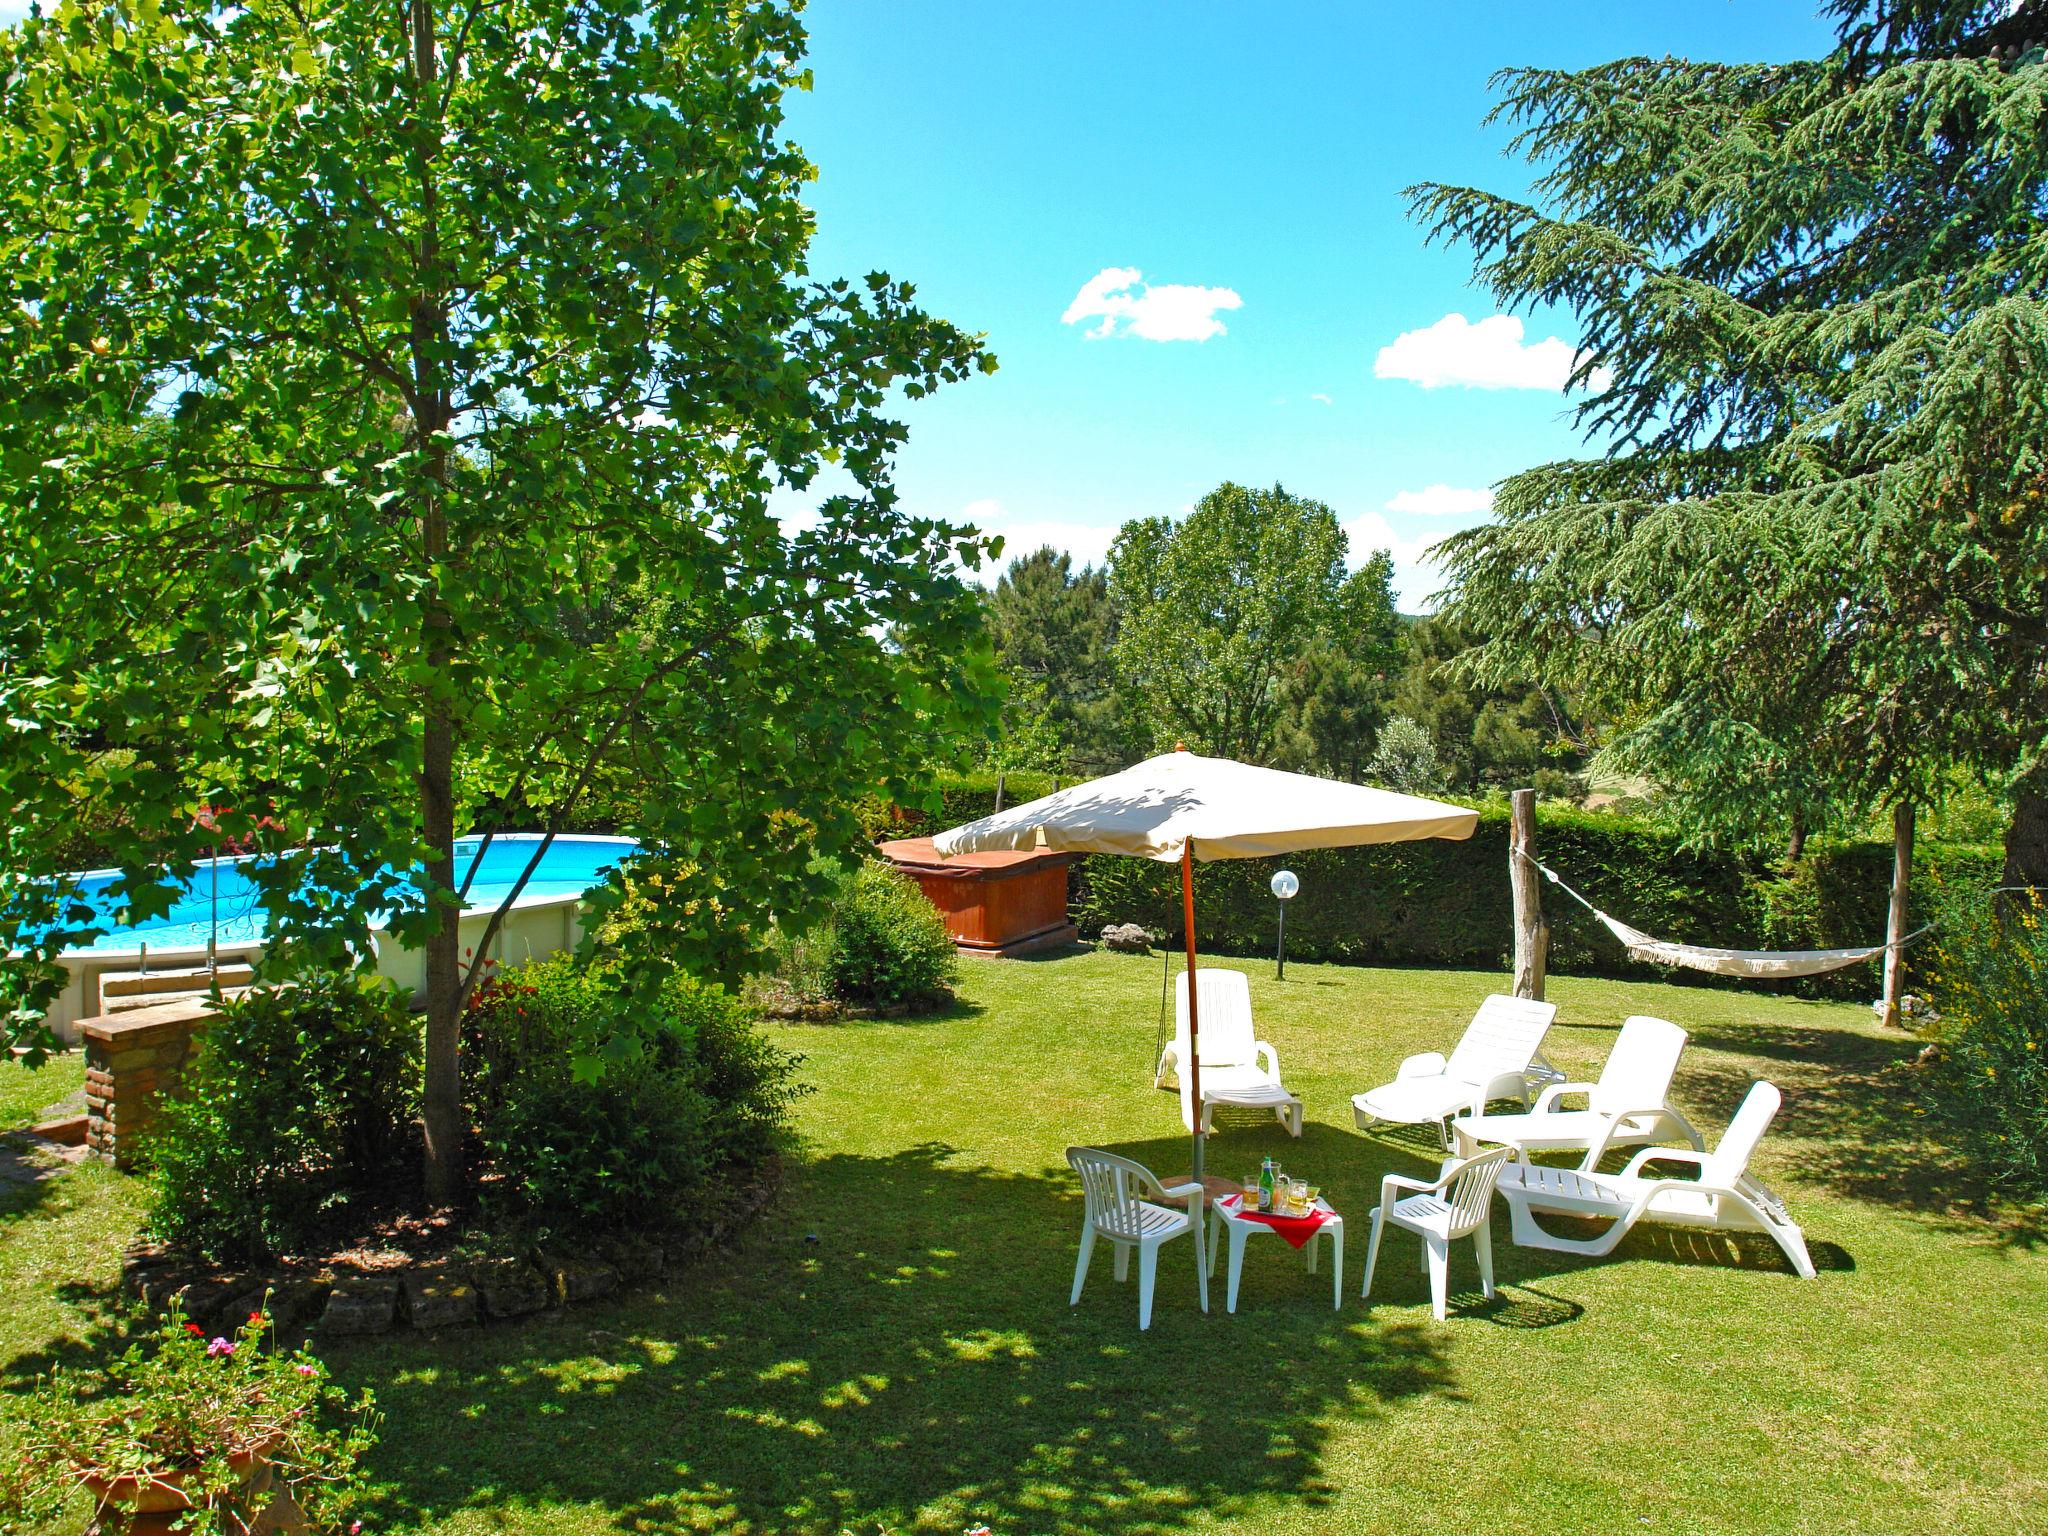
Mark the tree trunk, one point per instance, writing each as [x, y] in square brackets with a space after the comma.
[1895, 927]
[2026, 839]
[1795, 846]
[441, 1105]
[1532, 933]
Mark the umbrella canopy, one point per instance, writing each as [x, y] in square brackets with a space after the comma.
[1180, 807]
[1211, 806]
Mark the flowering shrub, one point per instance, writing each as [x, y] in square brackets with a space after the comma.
[1990, 1076]
[199, 1419]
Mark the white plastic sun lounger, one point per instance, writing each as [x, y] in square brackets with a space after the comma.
[1237, 1068]
[1496, 1059]
[1725, 1197]
[1629, 1107]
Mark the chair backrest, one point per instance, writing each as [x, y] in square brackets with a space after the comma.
[1471, 1191]
[1111, 1186]
[1730, 1157]
[1225, 998]
[1639, 1068]
[1503, 1036]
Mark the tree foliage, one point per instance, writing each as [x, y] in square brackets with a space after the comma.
[395, 396]
[1214, 613]
[1052, 627]
[1812, 566]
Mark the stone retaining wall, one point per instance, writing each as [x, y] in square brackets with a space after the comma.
[130, 1059]
[331, 1300]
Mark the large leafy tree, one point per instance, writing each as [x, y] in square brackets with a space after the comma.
[394, 395]
[1333, 698]
[1811, 570]
[1213, 613]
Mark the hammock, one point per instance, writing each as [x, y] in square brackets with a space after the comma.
[1762, 963]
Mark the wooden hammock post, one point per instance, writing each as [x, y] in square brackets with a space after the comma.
[1895, 926]
[1532, 933]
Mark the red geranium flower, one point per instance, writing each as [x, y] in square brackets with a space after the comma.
[195, 1330]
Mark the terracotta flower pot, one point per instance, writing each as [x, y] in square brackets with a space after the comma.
[152, 1505]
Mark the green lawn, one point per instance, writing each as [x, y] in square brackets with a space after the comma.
[891, 1349]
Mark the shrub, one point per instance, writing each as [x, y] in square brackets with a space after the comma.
[301, 1098]
[1557, 784]
[889, 947]
[596, 1121]
[1989, 976]
[1406, 759]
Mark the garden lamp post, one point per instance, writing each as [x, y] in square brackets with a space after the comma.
[1285, 885]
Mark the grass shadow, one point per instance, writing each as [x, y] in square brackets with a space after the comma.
[901, 1354]
[1852, 1103]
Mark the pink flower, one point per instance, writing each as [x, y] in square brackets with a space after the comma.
[309, 1370]
[979, 1530]
[355, 1528]
[220, 1347]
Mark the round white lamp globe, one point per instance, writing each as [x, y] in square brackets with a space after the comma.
[1285, 885]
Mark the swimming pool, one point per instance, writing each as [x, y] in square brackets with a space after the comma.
[221, 900]
[217, 913]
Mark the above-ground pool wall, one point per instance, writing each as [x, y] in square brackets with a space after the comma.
[80, 998]
[532, 931]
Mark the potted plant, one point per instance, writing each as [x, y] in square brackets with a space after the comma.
[196, 1434]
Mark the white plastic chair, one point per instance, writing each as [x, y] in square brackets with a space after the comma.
[1496, 1058]
[1724, 1197]
[1111, 1186]
[1455, 1206]
[1629, 1107]
[1237, 1068]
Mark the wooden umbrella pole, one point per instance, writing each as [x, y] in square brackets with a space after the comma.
[1194, 1061]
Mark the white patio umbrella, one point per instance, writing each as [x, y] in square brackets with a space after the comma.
[1180, 807]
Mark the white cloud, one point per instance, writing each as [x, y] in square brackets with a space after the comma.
[1124, 304]
[1442, 501]
[1321, 399]
[1489, 354]
[1087, 543]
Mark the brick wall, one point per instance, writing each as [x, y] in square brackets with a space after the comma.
[131, 1058]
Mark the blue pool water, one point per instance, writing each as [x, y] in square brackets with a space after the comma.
[571, 866]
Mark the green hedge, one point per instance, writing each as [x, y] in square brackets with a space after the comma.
[1442, 903]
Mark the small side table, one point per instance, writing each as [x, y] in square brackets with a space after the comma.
[1225, 1219]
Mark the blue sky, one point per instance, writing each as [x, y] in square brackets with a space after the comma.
[1179, 224]
[1003, 157]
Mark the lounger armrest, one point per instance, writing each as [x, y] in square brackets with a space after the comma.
[1178, 1190]
[1547, 1099]
[1613, 1125]
[1269, 1059]
[1426, 1064]
[1664, 1155]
